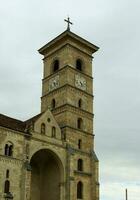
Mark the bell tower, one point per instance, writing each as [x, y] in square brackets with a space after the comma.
[67, 90]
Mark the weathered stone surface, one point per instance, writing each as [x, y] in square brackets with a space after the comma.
[44, 165]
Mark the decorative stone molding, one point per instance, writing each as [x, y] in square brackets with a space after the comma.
[82, 173]
[6, 159]
[73, 109]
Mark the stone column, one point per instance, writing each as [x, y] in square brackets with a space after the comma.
[25, 181]
[27, 167]
[72, 188]
[68, 173]
[62, 192]
[70, 179]
[28, 182]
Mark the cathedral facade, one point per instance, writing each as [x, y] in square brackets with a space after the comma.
[51, 156]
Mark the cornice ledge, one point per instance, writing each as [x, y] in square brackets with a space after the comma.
[66, 85]
[82, 173]
[72, 108]
[64, 68]
[78, 130]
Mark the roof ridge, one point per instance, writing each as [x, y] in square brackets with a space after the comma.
[71, 34]
[15, 124]
[6, 116]
[33, 118]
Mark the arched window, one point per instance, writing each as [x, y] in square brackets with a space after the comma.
[80, 103]
[53, 103]
[43, 128]
[7, 186]
[53, 132]
[11, 150]
[55, 65]
[80, 190]
[63, 136]
[80, 165]
[79, 123]
[79, 144]
[8, 151]
[7, 173]
[79, 64]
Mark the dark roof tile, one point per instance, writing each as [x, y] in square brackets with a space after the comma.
[16, 124]
[11, 123]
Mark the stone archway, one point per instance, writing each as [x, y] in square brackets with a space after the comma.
[46, 176]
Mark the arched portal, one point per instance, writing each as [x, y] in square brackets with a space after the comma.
[46, 176]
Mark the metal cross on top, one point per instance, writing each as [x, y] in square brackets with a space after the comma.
[69, 23]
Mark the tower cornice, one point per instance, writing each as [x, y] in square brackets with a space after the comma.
[73, 109]
[78, 130]
[65, 67]
[51, 52]
[63, 37]
[66, 86]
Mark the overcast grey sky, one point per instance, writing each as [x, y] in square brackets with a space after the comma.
[112, 25]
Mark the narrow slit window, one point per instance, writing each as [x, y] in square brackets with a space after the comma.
[79, 64]
[79, 123]
[80, 103]
[53, 132]
[53, 103]
[7, 186]
[80, 165]
[11, 150]
[80, 190]
[7, 173]
[6, 150]
[79, 144]
[56, 65]
[43, 128]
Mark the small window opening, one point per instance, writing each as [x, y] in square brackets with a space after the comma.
[43, 128]
[7, 173]
[80, 103]
[53, 132]
[79, 123]
[48, 119]
[79, 65]
[80, 165]
[80, 190]
[11, 150]
[7, 186]
[79, 144]
[55, 65]
[53, 104]
[8, 151]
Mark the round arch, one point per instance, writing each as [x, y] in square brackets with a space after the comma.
[55, 65]
[80, 64]
[46, 176]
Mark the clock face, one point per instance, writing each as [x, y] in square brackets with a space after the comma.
[80, 82]
[54, 83]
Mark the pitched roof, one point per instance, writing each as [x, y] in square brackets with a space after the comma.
[69, 34]
[12, 123]
[32, 120]
[16, 124]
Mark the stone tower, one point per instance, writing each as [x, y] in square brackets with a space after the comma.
[67, 90]
[51, 156]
